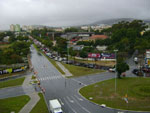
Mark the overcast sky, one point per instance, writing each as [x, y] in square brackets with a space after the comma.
[69, 12]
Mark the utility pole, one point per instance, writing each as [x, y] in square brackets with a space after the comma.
[68, 50]
[116, 70]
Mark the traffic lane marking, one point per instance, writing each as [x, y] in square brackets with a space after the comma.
[81, 105]
[69, 106]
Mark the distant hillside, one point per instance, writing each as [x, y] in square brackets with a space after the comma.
[113, 21]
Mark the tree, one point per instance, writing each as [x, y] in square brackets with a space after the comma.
[21, 48]
[83, 54]
[121, 67]
[72, 29]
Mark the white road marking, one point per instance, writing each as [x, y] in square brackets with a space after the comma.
[50, 78]
[79, 82]
[70, 100]
[69, 106]
[61, 102]
[81, 105]
[78, 98]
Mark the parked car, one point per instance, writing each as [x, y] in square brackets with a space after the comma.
[59, 59]
[112, 69]
[70, 62]
[90, 65]
[137, 72]
[103, 105]
[77, 64]
[56, 58]
[64, 59]
[85, 65]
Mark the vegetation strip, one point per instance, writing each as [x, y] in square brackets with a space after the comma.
[14, 104]
[40, 107]
[11, 83]
[131, 93]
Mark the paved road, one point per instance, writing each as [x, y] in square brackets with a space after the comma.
[11, 92]
[66, 90]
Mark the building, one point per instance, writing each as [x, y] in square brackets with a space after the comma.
[6, 39]
[12, 27]
[101, 48]
[96, 37]
[77, 47]
[74, 35]
[84, 27]
[17, 28]
[58, 29]
[148, 28]
[24, 28]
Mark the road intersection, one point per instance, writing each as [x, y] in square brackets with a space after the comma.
[64, 89]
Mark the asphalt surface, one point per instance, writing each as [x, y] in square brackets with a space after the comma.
[11, 92]
[66, 90]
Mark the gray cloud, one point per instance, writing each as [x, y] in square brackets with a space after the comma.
[69, 12]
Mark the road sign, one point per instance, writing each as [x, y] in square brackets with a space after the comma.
[148, 61]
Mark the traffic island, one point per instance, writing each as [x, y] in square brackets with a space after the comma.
[131, 93]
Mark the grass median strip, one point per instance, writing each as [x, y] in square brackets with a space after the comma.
[14, 104]
[81, 71]
[10, 83]
[136, 90]
[40, 107]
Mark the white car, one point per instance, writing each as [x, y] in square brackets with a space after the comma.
[103, 105]
[112, 69]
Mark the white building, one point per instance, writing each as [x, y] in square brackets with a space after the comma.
[24, 28]
[12, 27]
[17, 28]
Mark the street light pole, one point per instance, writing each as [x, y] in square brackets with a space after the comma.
[115, 71]
[68, 50]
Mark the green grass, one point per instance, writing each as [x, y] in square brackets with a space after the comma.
[13, 104]
[40, 107]
[51, 60]
[11, 83]
[137, 90]
[81, 71]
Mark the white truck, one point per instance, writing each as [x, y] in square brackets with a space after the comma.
[55, 106]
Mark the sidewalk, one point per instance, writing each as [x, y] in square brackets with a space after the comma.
[33, 96]
[67, 73]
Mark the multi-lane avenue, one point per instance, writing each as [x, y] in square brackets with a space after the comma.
[66, 90]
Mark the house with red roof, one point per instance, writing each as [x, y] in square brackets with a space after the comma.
[95, 37]
[98, 37]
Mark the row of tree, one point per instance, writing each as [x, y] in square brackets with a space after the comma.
[17, 49]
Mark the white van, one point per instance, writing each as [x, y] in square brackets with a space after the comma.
[55, 106]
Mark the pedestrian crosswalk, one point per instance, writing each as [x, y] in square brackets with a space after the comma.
[50, 78]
